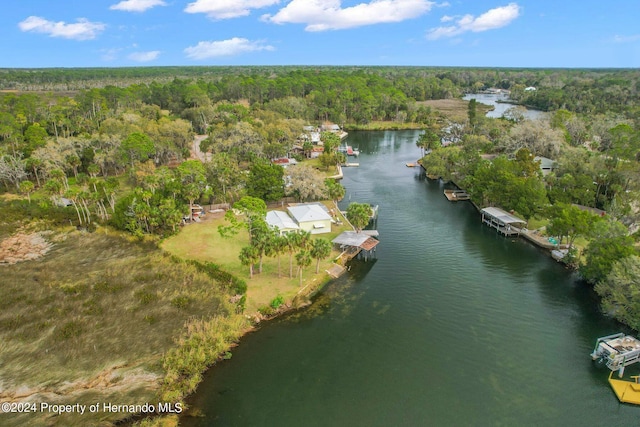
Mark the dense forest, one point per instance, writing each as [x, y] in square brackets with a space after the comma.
[118, 145]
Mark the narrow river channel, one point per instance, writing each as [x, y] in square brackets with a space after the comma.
[451, 325]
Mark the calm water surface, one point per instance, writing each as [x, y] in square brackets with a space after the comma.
[450, 325]
[501, 107]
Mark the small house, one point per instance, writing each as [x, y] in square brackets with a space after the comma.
[311, 217]
[546, 165]
[281, 221]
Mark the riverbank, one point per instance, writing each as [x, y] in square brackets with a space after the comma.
[383, 125]
[535, 237]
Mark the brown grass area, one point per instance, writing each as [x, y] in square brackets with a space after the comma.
[90, 322]
[202, 242]
[454, 109]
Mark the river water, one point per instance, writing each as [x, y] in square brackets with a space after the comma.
[501, 107]
[451, 324]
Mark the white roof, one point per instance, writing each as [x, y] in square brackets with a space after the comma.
[308, 212]
[281, 220]
[503, 216]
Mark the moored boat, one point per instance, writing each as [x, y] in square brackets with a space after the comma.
[617, 351]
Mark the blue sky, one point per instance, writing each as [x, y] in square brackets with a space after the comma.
[524, 33]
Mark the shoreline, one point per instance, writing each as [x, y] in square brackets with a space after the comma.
[300, 301]
[528, 235]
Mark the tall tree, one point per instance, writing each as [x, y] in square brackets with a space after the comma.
[303, 259]
[249, 256]
[428, 141]
[266, 181]
[620, 291]
[136, 147]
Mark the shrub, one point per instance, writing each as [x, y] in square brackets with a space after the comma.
[70, 329]
[181, 302]
[276, 302]
[145, 296]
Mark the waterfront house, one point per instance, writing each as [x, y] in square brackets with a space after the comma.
[282, 222]
[311, 217]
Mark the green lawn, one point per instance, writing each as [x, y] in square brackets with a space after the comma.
[202, 242]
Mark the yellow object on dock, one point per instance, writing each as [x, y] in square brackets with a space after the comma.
[626, 391]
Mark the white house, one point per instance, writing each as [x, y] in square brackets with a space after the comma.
[282, 221]
[311, 217]
[546, 165]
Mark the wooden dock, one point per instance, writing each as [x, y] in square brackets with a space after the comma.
[456, 195]
[336, 270]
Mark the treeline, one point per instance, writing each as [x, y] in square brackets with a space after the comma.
[577, 90]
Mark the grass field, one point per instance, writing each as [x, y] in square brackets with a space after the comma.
[455, 109]
[93, 320]
[202, 242]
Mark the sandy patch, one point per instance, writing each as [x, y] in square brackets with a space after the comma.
[23, 247]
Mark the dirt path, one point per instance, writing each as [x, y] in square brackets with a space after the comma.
[196, 153]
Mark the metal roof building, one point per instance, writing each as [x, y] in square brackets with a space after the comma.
[502, 221]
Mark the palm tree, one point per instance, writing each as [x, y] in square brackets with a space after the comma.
[291, 243]
[249, 256]
[320, 249]
[277, 246]
[262, 241]
[303, 259]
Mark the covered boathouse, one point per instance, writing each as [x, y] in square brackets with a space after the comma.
[502, 221]
[353, 243]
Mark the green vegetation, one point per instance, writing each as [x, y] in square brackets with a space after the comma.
[203, 242]
[359, 215]
[144, 146]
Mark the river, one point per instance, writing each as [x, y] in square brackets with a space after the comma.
[451, 324]
[501, 107]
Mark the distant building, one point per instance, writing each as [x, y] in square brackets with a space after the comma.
[546, 165]
[330, 127]
[284, 161]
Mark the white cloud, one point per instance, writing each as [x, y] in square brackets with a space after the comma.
[82, 30]
[226, 9]
[137, 5]
[234, 46]
[144, 56]
[626, 39]
[322, 15]
[490, 20]
[110, 54]
[447, 18]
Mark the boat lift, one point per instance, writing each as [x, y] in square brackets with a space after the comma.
[617, 351]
